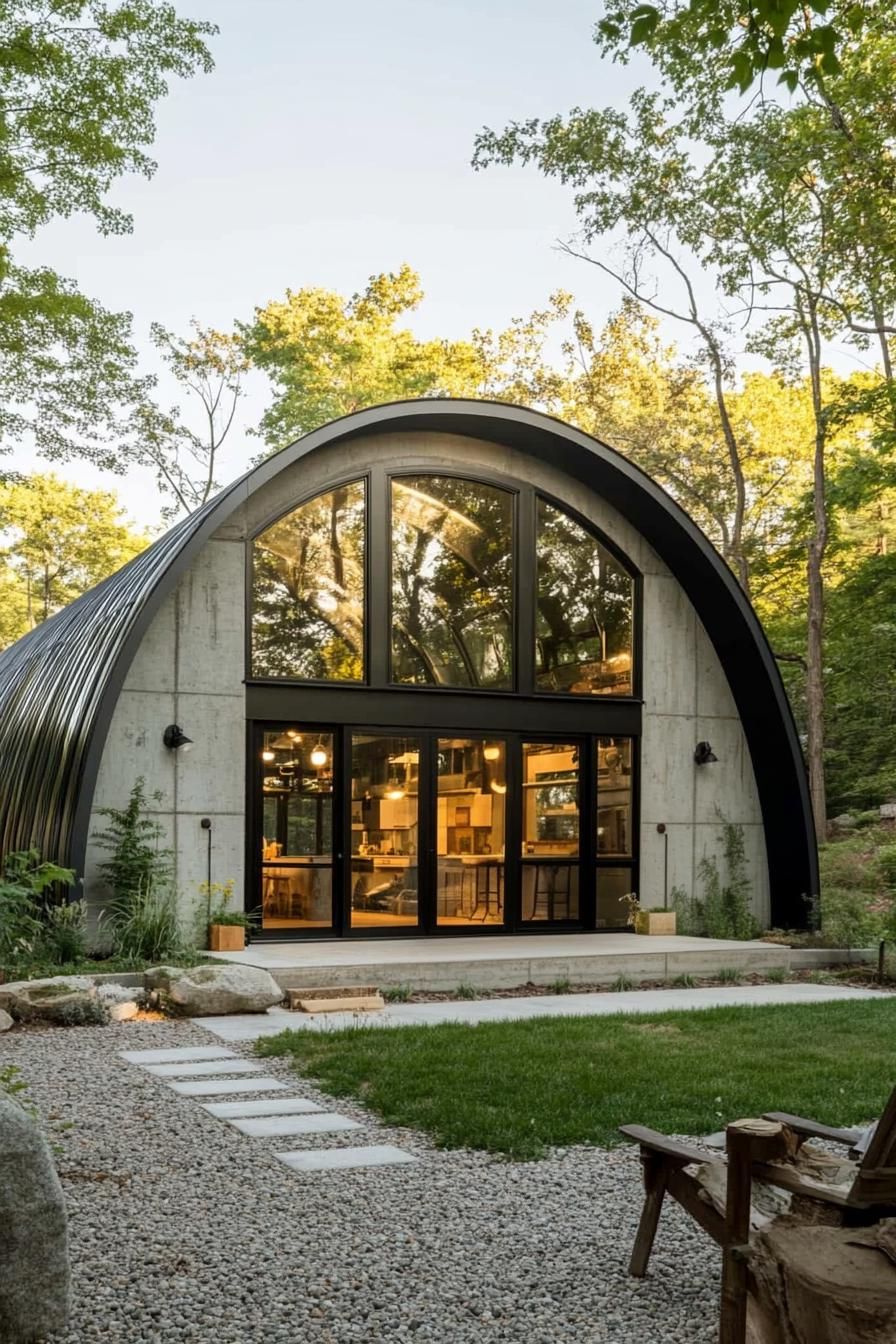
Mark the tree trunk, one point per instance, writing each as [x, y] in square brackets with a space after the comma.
[817, 544]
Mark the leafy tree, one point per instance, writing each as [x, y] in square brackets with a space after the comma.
[78, 83]
[328, 356]
[58, 541]
[209, 366]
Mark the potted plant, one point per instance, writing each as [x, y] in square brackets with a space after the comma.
[226, 928]
[652, 921]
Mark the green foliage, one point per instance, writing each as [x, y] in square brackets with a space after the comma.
[58, 541]
[14, 1085]
[142, 912]
[744, 41]
[561, 986]
[723, 908]
[886, 866]
[848, 918]
[396, 993]
[328, 356]
[64, 934]
[684, 982]
[26, 884]
[217, 897]
[777, 975]
[728, 975]
[467, 991]
[78, 84]
[138, 861]
[725, 905]
[146, 925]
[622, 984]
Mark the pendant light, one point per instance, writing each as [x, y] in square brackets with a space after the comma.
[319, 756]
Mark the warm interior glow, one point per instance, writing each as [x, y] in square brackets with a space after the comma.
[492, 753]
[267, 755]
[318, 756]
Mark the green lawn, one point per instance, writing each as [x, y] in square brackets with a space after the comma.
[518, 1088]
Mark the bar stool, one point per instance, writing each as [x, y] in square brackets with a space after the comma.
[552, 888]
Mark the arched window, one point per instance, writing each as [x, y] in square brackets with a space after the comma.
[583, 623]
[452, 583]
[308, 590]
[461, 599]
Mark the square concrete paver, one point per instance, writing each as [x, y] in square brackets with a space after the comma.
[180, 1052]
[231, 1110]
[327, 1122]
[209, 1087]
[203, 1068]
[339, 1159]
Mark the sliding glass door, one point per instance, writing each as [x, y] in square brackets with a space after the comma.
[380, 831]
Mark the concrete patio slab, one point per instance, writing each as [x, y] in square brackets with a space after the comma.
[501, 962]
[249, 1027]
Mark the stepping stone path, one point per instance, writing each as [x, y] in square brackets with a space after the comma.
[208, 1071]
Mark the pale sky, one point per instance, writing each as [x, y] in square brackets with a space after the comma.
[332, 142]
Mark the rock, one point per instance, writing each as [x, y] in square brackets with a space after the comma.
[35, 1285]
[207, 991]
[844, 822]
[888, 811]
[68, 1000]
[5, 1020]
[123, 1012]
[111, 993]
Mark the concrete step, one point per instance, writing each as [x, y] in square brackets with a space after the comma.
[337, 999]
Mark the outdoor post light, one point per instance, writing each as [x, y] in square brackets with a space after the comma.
[704, 754]
[175, 738]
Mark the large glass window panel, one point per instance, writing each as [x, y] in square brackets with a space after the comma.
[452, 566]
[550, 833]
[297, 835]
[584, 612]
[384, 834]
[612, 885]
[470, 815]
[308, 590]
[614, 796]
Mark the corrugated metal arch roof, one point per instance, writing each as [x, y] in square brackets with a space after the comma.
[59, 684]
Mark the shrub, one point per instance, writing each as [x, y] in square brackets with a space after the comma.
[64, 935]
[886, 866]
[728, 975]
[847, 919]
[26, 883]
[138, 861]
[396, 993]
[622, 984]
[688, 913]
[142, 914]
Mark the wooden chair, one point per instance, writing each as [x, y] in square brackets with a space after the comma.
[754, 1150]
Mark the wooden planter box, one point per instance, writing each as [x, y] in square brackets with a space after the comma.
[655, 921]
[226, 937]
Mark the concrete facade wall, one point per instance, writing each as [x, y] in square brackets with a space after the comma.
[190, 670]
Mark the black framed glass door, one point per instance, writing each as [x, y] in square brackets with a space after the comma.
[379, 832]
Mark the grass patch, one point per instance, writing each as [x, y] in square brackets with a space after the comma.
[519, 1088]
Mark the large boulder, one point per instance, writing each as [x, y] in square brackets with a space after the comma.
[210, 991]
[35, 1287]
[67, 1000]
[5, 1020]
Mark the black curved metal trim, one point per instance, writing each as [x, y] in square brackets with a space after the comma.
[59, 685]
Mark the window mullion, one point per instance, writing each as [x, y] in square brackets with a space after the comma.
[526, 589]
[379, 621]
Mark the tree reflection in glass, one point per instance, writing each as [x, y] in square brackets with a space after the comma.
[452, 545]
[308, 590]
[584, 613]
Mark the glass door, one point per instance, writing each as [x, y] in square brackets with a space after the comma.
[550, 832]
[385, 835]
[471, 799]
[296, 829]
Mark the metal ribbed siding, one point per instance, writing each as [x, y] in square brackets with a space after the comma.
[53, 689]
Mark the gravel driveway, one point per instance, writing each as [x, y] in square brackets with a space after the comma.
[183, 1229]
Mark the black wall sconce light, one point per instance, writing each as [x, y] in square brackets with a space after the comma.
[175, 738]
[704, 754]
